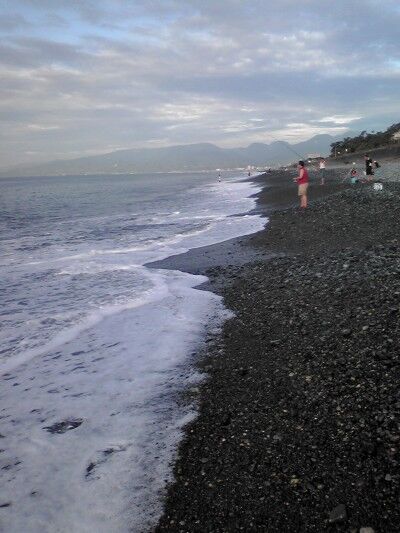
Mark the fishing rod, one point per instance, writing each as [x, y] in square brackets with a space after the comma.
[288, 146]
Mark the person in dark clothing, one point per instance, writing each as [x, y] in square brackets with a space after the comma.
[368, 167]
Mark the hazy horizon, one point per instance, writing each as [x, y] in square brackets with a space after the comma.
[91, 78]
[218, 145]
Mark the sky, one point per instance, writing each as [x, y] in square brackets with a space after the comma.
[84, 77]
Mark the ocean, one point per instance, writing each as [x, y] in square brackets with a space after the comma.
[96, 346]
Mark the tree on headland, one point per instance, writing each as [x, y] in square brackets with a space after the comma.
[366, 141]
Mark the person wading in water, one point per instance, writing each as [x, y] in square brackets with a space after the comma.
[302, 181]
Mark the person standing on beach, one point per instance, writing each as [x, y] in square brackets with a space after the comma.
[368, 167]
[302, 181]
[322, 165]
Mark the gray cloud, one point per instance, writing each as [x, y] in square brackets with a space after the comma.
[12, 22]
[84, 77]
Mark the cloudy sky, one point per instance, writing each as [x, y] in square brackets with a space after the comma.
[82, 77]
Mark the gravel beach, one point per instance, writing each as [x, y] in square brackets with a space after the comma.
[299, 418]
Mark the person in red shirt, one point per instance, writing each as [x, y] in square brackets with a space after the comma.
[302, 181]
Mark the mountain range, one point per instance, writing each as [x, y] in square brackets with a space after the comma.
[203, 156]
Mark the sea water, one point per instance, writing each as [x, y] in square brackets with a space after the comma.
[95, 346]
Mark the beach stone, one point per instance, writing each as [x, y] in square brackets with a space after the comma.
[338, 514]
[66, 425]
[312, 439]
[226, 420]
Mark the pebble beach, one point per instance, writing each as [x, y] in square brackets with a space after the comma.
[299, 414]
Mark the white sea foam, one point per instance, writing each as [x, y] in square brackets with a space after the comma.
[95, 337]
[158, 291]
[117, 378]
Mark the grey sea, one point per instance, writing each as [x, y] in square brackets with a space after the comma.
[95, 345]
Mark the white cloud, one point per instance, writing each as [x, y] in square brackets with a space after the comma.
[41, 127]
[79, 77]
[338, 119]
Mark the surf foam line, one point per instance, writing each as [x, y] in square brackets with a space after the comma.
[119, 379]
[157, 292]
[120, 382]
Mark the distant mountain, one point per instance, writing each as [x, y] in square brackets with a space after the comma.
[204, 156]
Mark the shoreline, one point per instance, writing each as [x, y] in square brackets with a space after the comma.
[273, 197]
[287, 433]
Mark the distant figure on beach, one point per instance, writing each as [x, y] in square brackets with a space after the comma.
[353, 176]
[302, 181]
[219, 177]
[368, 167]
[322, 165]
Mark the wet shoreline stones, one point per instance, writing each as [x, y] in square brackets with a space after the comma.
[299, 420]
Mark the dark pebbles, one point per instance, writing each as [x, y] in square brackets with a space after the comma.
[299, 421]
